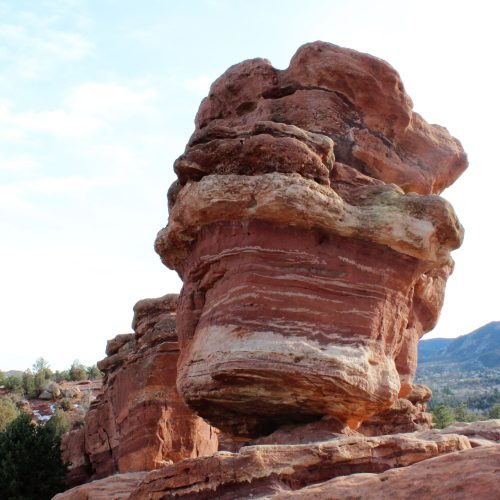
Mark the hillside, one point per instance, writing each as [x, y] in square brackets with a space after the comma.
[463, 370]
[476, 350]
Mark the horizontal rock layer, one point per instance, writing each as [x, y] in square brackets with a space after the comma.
[261, 471]
[431, 464]
[461, 475]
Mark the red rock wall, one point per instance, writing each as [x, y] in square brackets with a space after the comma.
[139, 422]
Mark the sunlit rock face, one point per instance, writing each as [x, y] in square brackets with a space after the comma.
[138, 422]
[314, 248]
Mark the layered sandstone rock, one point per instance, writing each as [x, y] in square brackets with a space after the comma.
[314, 248]
[264, 470]
[461, 475]
[431, 464]
[407, 414]
[139, 422]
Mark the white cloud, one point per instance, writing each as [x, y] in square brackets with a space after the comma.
[86, 109]
[33, 50]
[18, 163]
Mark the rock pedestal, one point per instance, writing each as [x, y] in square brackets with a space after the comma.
[314, 248]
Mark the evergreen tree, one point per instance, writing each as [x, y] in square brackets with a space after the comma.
[30, 461]
[59, 423]
[14, 383]
[93, 372]
[494, 411]
[8, 412]
[29, 385]
[443, 415]
[2, 377]
[77, 371]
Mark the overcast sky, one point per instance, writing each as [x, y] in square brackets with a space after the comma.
[98, 97]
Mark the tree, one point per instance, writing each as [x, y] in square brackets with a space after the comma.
[443, 415]
[2, 377]
[29, 384]
[59, 423]
[93, 372]
[494, 411]
[63, 375]
[14, 383]
[77, 371]
[8, 412]
[30, 461]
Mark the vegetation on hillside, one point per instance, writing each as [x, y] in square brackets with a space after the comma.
[39, 377]
[30, 460]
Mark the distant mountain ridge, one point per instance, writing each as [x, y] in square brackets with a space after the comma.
[478, 349]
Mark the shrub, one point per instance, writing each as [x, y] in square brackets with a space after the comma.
[29, 385]
[494, 411]
[60, 376]
[66, 404]
[8, 412]
[30, 461]
[14, 383]
[59, 423]
[442, 415]
[77, 371]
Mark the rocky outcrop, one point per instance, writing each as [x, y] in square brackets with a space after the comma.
[114, 487]
[461, 475]
[314, 248]
[434, 464]
[405, 415]
[265, 470]
[139, 422]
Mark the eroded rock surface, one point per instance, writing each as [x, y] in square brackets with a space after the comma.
[429, 464]
[461, 475]
[314, 248]
[139, 422]
[263, 470]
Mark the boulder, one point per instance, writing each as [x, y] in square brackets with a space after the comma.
[307, 226]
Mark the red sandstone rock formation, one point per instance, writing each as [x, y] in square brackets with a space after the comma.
[405, 415]
[461, 475]
[434, 464]
[314, 248]
[139, 422]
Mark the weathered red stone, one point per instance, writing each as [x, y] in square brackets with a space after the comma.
[314, 250]
[139, 422]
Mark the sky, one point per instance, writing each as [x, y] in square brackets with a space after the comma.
[98, 98]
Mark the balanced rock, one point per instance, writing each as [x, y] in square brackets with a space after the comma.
[312, 243]
[139, 422]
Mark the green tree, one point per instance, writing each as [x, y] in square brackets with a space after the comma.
[77, 371]
[14, 383]
[2, 377]
[59, 423]
[30, 461]
[494, 411]
[61, 376]
[8, 412]
[93, 372]
[29, 385]
[461, 413]
[443, 415]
